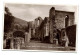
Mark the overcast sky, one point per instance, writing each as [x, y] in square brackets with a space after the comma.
[30, 12]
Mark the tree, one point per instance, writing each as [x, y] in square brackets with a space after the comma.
[8, 20]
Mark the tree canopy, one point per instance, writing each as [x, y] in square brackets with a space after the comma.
[8, 20]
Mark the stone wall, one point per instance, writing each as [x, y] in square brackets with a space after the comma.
[60, 18]
[71, 33]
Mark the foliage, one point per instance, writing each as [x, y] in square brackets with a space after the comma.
[8, 20]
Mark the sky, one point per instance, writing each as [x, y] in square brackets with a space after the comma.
[29, 12]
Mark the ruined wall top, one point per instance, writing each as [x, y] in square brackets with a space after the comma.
[52, 12]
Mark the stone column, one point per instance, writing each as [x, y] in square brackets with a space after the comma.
[12, 44]
[67, 40]
[28, 36]
[52, 24]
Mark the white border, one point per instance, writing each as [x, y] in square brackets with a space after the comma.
[51, 2]
[37, 50]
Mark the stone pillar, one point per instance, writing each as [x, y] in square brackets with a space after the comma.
[18, 42]
[12, 44]
[22, 42]
[28, 36]
[67, 40]
[4, 43]
[52, 24]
